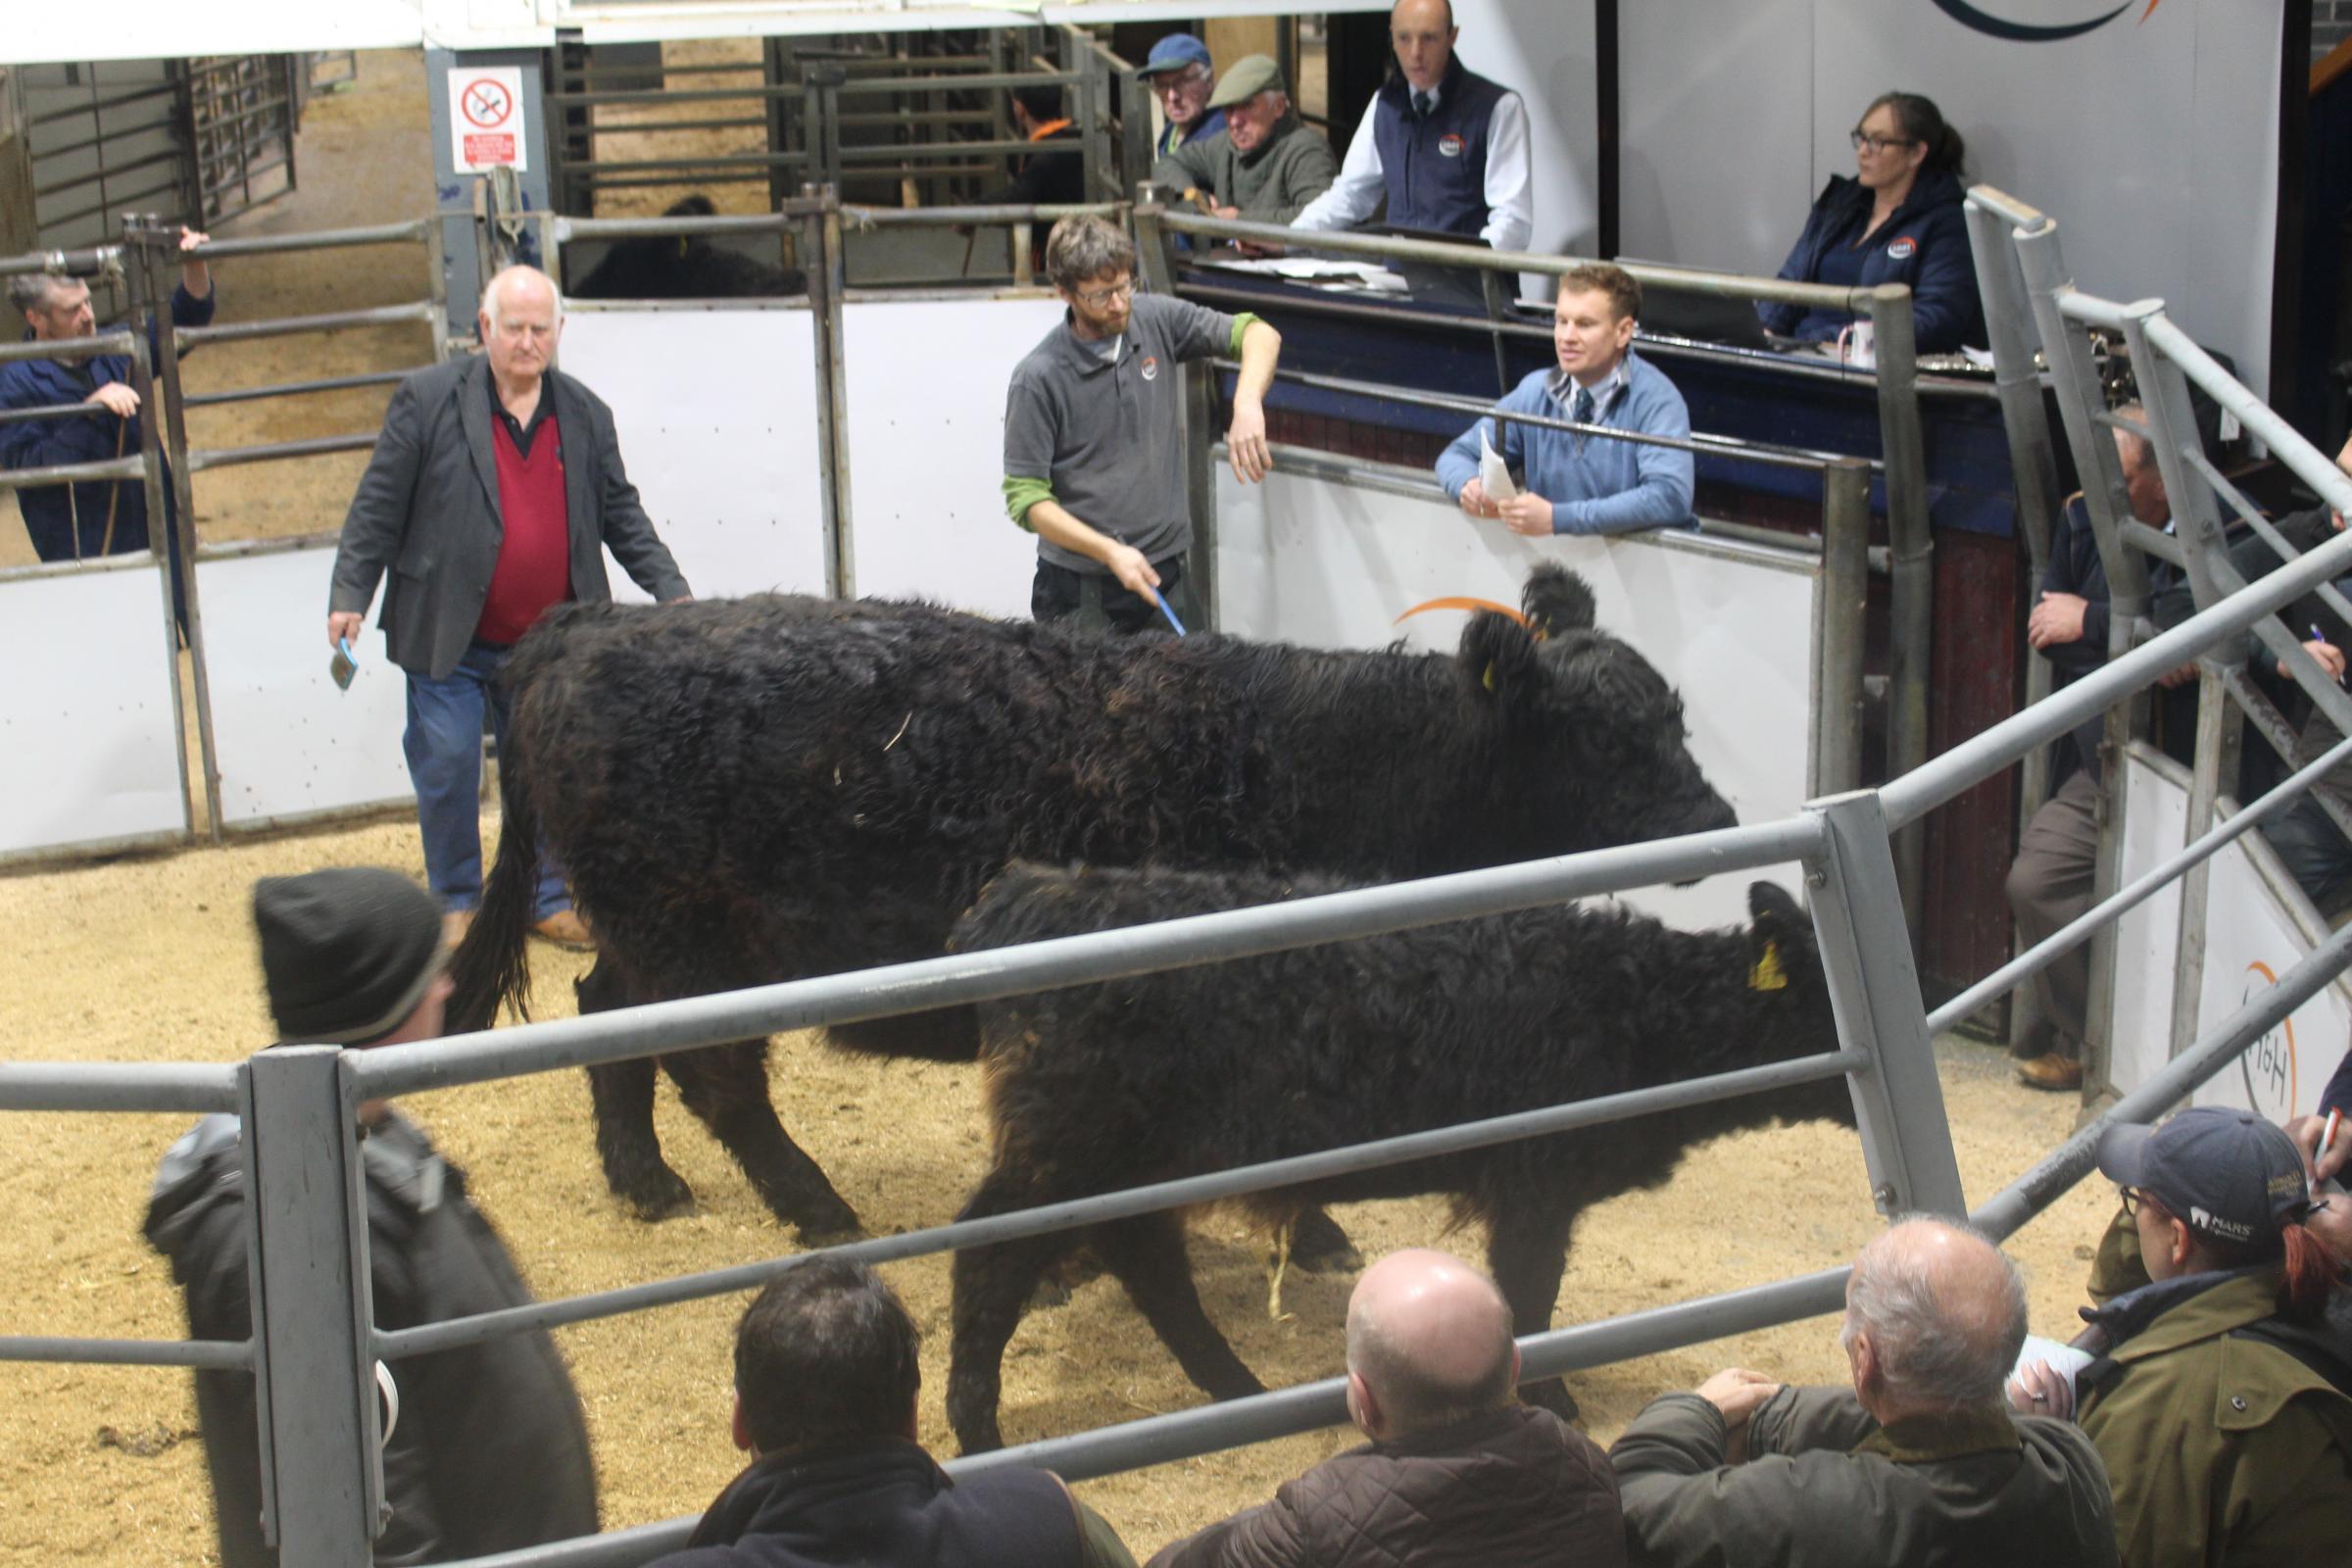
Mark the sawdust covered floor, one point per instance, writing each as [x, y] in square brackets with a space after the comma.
[153, 960]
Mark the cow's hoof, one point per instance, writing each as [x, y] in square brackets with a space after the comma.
[1551, 1395]
[1320, 1246]
[661, 1195]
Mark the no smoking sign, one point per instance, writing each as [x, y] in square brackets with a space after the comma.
[485, 120]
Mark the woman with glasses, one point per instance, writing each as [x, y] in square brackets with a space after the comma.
[2219, 1390]
[1897, 221]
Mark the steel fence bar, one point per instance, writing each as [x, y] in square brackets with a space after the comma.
[115, 342]
[2079, 930]
[1181, 1192]
[928, 983]
[199, 1087]
[288, 325]
[2240, 502]
[2312, 466]
[72, 472]
[945, 217]
[60, 264]
[663, 95]
[876, 86]
[287, 389]
[1721, 446]
[636, 166]
[1856, 300]
[58, 410]
[2010, 1209]
[53, 115]
[632, 1547]
[569, 229]
[1978, 758]
[209, 1355]
[201, 460]
[325, 239]
[1308, 1406]
[2150, 541]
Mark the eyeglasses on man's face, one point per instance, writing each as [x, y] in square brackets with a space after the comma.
[2132, 1197]
[1094, 299]
[1878, 144]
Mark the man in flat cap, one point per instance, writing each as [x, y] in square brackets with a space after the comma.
[1180, 75]
[1265, 166]
[490, 1450]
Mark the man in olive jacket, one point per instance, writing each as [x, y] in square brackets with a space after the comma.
[1455, 1472]
[1264, 167]
[1920, 1464]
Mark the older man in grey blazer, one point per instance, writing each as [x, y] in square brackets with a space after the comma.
[493, 492]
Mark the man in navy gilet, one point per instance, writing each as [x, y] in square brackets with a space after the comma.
[1445, 146]
[825, 1386]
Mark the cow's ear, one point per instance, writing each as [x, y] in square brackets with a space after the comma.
[1498, 657]
[1557, 600]
[1780, 939]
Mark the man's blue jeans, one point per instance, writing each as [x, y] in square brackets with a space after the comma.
[443, 743]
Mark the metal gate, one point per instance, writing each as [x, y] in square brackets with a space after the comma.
[239, 114]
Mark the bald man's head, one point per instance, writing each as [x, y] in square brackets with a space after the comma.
[1935, 1318]
[1428, 1340]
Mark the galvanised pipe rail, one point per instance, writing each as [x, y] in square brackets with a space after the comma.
[118, 341]
[202, 460]
[414, 231]
[946, 217]
[2059, 943]
[785, 220]
[72, 472]
[61, 264]
[928, 983]
[1721, 446]
[1077, 1213]
[117, 1085]
[287, 389]
[1920, 791]
[287, 325]
[1859, 301]
[205, 1355]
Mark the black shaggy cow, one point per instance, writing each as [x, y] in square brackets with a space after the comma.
[1096, 1088]
[750, 790]
[685, 266]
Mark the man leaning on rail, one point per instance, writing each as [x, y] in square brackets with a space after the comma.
[825, 1386]
[1571, 481]
[92, 517]
[488, 1450]
[1918, 1463]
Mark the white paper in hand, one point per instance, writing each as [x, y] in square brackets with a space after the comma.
[1493, 476]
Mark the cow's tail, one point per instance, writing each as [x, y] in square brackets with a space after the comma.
[491, 965]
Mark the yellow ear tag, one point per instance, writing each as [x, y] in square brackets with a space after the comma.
[682, 244]
[1488, 679]
[1768, 974]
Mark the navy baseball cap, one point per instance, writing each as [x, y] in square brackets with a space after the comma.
[1173, 53]
[2226, 1174]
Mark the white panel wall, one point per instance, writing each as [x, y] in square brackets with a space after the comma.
[2251, 938]
[926, 394]
[717, 413]
[88, 746]
[290, 741]
[1329, 565]
[2152, 139]
[1543, 48]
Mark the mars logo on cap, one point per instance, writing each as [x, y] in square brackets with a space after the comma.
[1902, 249]
[1151, 367]
[1450, 144]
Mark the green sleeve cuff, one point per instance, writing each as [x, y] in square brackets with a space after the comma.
[1240, 325]
[1021, 494]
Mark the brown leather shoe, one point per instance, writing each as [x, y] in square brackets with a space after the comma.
[564, 929]
[2056, 1073]
[454, 925]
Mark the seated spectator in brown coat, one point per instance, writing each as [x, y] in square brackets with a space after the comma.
[1455, 1472]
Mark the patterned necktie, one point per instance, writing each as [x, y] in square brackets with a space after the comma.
[1580, 411]
[1421, 104]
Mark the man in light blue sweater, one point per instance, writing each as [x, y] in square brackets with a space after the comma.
[1575, 482]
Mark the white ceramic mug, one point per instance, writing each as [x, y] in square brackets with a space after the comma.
[1858, 346]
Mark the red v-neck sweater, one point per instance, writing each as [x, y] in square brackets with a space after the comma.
[534, 558]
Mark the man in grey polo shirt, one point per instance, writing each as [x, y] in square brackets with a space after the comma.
[1093, 465]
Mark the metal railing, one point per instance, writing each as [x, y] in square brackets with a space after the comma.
[2023, 278]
